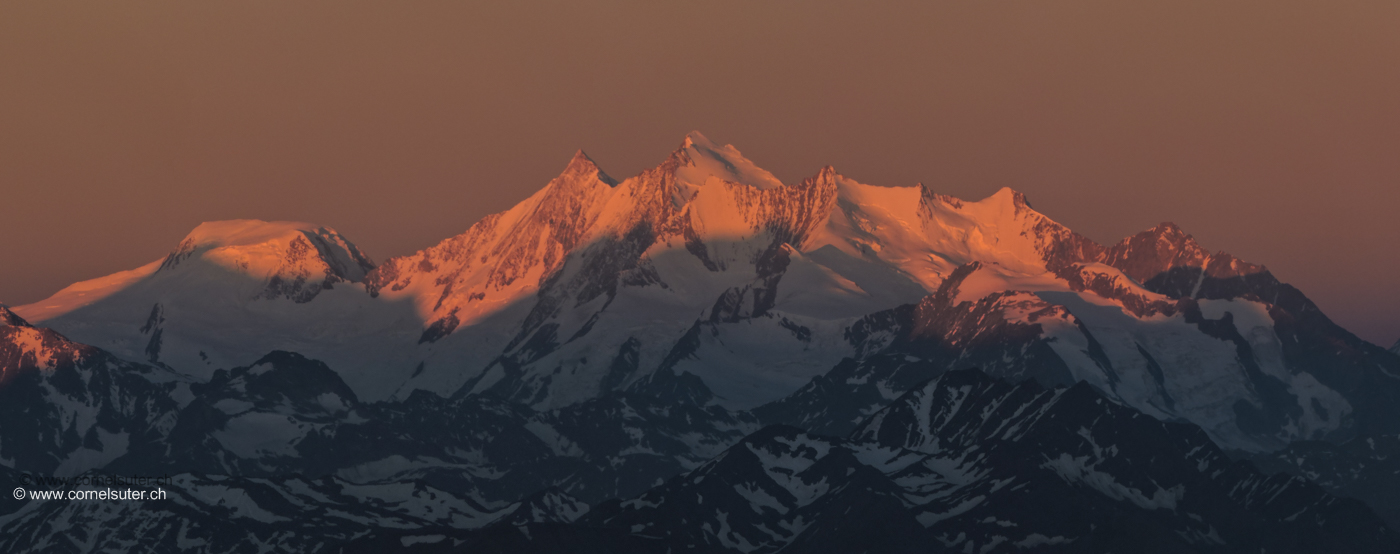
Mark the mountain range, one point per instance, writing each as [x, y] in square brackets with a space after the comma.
[701, 357]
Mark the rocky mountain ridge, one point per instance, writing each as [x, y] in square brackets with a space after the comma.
[561, 360]
[261, 454]
[707, 265]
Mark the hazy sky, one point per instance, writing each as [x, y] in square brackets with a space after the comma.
[1268, 129]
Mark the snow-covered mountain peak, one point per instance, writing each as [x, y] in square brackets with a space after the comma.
[506, 255]
[1395, 347]
[1007, 197]
[707, 269]
[582, 166]
[262, 247]
[246, 258]
[699, 159]
[1153, 253]
[1001, 229]
[1000, 208]
[242, 232]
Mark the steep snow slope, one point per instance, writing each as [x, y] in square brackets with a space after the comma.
[772, 275]
[587, 286]
[283, 259]
[657, 256]
[230, 292]
[707, 267]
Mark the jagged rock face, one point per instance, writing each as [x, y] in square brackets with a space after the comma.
[287, 414]
[9, 318]
[1216, 363]
[505, 255]
[776, 247]
[733, 236]
[67, 407]
[970, 460]
[706, 268]
[508, 256]
[425, 465]
[945, 464]
[1166, 248]
[603, 337]
[1291, 350]
[253, 420]
[1033, 243]
[1092, 443]
[790, 265]
[1003, 333]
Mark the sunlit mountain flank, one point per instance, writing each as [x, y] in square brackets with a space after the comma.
[702, 358]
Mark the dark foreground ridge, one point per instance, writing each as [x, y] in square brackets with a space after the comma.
[964, 462]
[281, 454]
[701, 358]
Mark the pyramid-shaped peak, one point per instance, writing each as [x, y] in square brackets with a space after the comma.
[1008, 196]
[581, 164]
[581, 158]
[699, 158]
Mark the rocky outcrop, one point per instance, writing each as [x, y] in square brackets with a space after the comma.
[67, 407]
[971, 463]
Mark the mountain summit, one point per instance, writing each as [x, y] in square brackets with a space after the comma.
[707, 277]
[664, 362]
[286, 259]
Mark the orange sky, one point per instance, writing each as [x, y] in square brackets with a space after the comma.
[1267, 129]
